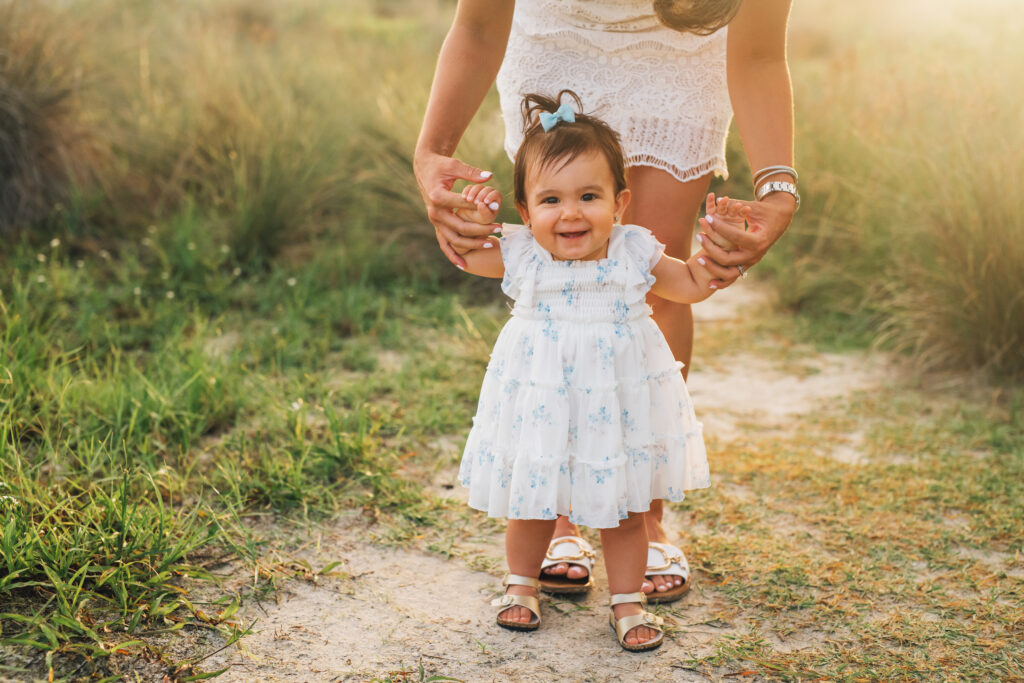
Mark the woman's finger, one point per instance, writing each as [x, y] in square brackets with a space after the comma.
[445, 199]
[721, 284]
[718, 271]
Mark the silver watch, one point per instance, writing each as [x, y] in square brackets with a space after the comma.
[778, 186]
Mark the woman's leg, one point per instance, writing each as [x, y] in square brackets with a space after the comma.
[526, 542]
[625, 557]
[668, 208]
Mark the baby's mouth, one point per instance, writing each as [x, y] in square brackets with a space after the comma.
[573, 235]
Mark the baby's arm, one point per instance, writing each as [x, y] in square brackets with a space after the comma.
[689, 281]
[486, 260]
[685, 282]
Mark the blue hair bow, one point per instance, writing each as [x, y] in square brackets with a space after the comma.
[563, 113]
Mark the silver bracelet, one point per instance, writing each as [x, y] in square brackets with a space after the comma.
[772, 170]
[778, 186]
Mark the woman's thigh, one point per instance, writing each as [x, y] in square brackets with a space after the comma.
[666, 206]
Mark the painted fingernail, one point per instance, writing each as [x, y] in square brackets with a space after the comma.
[713, 286]
[493, 206]
[497, 229]
[459, 267]
[710, 220]
[700, 239]
[702, 262]
[485, 174]
[488, 245]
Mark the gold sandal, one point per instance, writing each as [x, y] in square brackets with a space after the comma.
[626, 624]
[528, 601]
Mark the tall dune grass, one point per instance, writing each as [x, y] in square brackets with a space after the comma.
[285, 125]
[909, 139]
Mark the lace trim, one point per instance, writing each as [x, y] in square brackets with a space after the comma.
[685, 174]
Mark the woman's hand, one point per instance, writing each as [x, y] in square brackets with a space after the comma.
[436, 174]
[766, 221]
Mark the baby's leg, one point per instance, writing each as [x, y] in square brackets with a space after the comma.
[625, 557]
[526, 542]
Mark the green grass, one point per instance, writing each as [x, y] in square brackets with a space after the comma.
[139, 430]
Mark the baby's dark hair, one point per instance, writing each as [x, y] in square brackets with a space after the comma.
[564, 142]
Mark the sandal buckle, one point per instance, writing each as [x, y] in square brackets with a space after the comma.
[582, 554]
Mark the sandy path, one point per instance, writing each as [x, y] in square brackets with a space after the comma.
[396, 609]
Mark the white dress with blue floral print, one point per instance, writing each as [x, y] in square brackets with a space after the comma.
[583, 411]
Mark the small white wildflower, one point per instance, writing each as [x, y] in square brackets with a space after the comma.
[165, 275]
[291, 282]
[151, 229]
[41, 258]
[236, 272]
[12, 499]
[104, 254]
[146, 241]
[55, 243]
[170, 294]
[212, 381]
[80, 263]
[225, 249]
[137, 291]
[40, 279]
[191, 246]
[297, 405]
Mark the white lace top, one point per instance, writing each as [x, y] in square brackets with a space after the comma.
[664, 91]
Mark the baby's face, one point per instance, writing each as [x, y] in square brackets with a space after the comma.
[571, 209]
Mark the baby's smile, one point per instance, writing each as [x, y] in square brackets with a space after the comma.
[573, 235]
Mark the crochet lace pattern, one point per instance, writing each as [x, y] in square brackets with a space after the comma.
[665, 92]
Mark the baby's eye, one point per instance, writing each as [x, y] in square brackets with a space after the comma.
[549, 200]
[589, 197]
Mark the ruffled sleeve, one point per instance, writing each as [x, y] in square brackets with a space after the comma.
[517, 253]
[642, 247]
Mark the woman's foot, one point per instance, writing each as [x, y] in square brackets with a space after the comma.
[657, 583]
[563, 527]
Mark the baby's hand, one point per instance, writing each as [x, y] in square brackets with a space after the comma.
[731, 211]
[487, 201]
